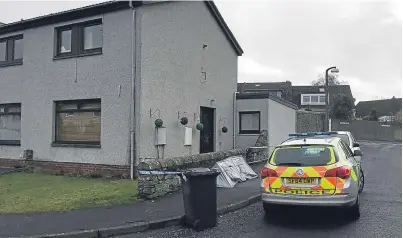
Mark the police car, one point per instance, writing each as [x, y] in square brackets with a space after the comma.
[312, 169]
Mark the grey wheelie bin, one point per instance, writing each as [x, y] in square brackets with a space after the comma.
[199, 187]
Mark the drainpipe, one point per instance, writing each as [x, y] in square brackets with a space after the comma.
[234, 121]
[132, 101]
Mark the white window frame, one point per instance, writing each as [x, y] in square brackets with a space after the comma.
[310, 97]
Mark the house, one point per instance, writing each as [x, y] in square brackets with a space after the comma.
[87, 85]
[279, 89]
[313, 97]
[305, 97]
[261, 111]
[384, 107]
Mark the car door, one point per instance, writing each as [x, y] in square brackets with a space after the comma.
[358, 158]
[351, 158]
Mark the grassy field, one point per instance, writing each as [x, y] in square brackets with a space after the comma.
[38, 192]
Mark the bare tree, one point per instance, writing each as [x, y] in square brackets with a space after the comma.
[332, 80]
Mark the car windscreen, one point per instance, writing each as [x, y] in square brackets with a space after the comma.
[302, 156]
[344, 137]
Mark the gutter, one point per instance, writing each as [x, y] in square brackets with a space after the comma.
[133, 159]
[234, 121]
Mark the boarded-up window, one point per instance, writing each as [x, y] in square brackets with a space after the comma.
[78, 121]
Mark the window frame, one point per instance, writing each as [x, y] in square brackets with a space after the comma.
[10, 45]
[249, 132]
[77, 40]
[79, 103]
[7, 106]
[310, 95]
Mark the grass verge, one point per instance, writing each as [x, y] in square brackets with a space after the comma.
[38, 192]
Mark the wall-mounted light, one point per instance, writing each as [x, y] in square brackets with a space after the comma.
[199, 126]
[184, 121]
[158, 123]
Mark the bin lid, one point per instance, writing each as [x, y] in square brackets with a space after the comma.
[200, 172]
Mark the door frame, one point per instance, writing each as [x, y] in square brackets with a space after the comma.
[214, 127]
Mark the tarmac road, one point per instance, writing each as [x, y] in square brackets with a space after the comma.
[381, 209]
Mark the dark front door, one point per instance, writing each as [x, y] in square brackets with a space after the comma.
[207, 134]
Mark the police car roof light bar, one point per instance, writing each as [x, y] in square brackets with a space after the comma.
[302, 134]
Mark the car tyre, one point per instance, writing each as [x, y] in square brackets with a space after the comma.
[362, 182]
[355, 212]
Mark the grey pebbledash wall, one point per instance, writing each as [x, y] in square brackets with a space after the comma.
[171, 61]
[370, 130]
[41, 80]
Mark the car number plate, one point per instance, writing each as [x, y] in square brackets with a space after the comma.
[309, 181]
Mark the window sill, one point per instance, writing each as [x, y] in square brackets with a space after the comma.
[7, 64]
[9, 143]
[249, 134]
[76, 56]
[75, 145]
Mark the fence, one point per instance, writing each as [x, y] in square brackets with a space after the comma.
[308, 121]
[370, 130]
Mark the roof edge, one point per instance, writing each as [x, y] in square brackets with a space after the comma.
[267, 96]
[228, 33]
[72, 14]
[105, 7]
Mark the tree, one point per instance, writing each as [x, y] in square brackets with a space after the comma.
[398, 117]
[342, 108]
[332, 80]
[373, 115]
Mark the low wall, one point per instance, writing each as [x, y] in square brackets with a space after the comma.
[100, 170]
[308, 121]
[152, 186]
[369, 130]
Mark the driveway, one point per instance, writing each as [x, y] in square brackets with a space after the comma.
[381, 214]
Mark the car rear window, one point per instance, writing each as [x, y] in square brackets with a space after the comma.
[302, 156]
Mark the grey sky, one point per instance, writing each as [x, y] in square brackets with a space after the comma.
[296, 40]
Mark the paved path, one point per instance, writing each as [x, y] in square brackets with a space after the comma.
[6, 170]
[166, 207]
[381, 214]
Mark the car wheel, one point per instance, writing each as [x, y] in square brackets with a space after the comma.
[355, 212]
[362, 182]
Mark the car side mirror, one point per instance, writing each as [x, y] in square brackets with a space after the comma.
[356, 144]
[358, 153]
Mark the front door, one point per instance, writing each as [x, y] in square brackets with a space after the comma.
[207, 134]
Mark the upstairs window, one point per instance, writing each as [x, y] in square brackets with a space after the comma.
[79, 39]
[11, 50]
[313, 99]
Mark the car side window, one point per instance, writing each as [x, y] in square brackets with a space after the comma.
[353, 139]
[342, 151]
[347, 149]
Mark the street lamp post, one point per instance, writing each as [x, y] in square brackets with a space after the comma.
[332, 70]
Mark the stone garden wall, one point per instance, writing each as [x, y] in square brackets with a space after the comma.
[308, 121]
[152, 186]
